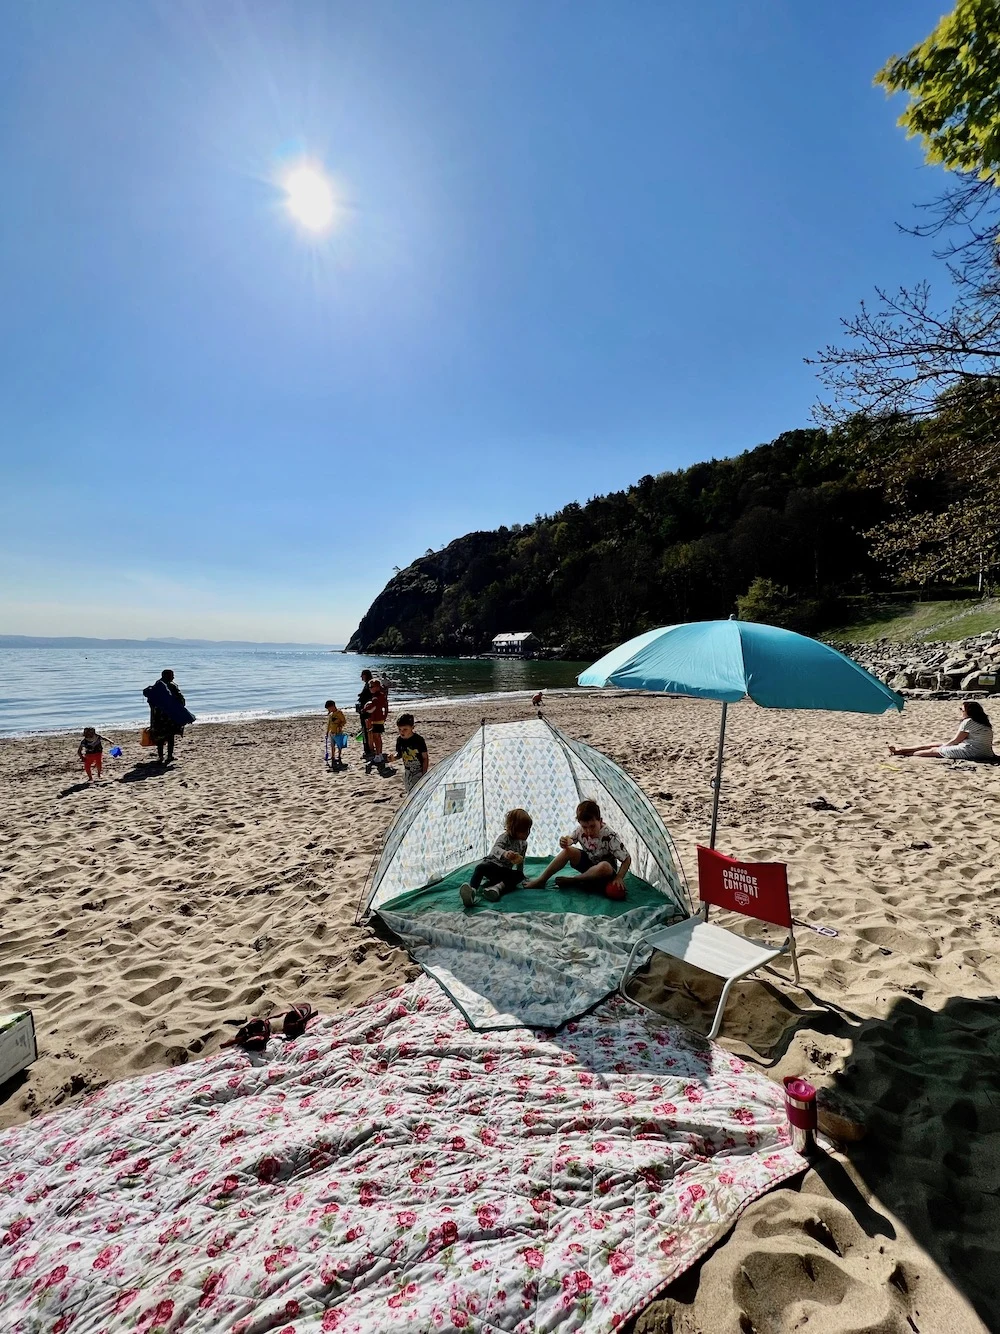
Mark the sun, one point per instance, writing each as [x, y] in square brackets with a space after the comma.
[309, 198]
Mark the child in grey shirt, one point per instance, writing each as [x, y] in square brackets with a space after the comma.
[502, 869]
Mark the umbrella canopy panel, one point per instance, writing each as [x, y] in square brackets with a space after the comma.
[730, 660]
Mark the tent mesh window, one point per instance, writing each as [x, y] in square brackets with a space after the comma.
[453, 817]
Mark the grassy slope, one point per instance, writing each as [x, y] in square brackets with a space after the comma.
[922, 621]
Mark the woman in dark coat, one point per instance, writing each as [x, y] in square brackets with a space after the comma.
[167, 713]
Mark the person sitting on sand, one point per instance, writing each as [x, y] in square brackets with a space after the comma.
[502, 868]
[601, 860]
[91, 751]
[972, 741]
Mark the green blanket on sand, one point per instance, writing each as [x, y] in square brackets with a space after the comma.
[443, 896]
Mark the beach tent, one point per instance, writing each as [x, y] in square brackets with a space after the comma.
[538, 956]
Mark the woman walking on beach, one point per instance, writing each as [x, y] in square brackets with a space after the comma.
[168, 715]
[972, 741]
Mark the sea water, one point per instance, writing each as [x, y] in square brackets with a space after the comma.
[66, 689]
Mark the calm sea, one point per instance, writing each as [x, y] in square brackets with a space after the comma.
[66, 689]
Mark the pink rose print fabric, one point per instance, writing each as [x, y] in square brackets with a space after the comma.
[391, 1170]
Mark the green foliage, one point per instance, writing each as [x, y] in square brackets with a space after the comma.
[773, 604]
[953, 79]
[941, 477]
[916, 390]
[389, 641]
[952, 619]
[765, 601]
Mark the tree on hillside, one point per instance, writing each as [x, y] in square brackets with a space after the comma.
[905, 348]
[766, 601]
[917, 385]
[941, 476]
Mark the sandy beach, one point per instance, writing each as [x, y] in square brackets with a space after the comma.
[147, 915]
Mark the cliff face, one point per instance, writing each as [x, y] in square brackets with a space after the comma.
[783, 522]
[406, 615]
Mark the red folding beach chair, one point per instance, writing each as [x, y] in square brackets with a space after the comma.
[755, 889]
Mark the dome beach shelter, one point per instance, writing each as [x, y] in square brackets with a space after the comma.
[537, 957]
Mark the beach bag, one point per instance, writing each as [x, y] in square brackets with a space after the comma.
[146, 737]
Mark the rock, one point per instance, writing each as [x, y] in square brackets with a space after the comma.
[934, 670]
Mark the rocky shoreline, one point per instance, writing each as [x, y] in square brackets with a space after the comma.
[964, 669]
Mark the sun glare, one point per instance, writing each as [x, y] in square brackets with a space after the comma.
[309, 198]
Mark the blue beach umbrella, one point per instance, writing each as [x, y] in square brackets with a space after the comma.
[733, 660]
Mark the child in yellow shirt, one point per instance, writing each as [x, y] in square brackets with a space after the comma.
[336, 734]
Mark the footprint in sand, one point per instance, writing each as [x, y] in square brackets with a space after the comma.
[812, 1258]
[155, 992]
[143, 971]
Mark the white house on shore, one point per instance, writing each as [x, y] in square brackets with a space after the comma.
[518, 645]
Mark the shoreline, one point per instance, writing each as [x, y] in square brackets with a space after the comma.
[247, 718]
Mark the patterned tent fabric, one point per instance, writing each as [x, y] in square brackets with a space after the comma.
[458, 810]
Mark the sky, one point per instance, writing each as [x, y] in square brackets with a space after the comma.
[572, 243]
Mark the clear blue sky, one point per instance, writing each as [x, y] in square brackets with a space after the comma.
[576, 241]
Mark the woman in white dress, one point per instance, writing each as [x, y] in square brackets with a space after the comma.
[972, 741]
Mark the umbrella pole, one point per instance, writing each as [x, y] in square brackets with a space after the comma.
[717, 780]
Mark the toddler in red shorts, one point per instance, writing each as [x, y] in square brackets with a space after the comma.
[91, 751]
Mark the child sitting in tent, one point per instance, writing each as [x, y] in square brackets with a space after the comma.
[600, 861]
[502, 867]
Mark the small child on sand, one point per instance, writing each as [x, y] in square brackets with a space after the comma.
[374, 715]
[601, 860]
[411, 748]
[503, 866]
[91, 751]
[336, 733]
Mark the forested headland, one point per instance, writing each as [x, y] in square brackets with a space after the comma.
[784, 532]
[896, 488]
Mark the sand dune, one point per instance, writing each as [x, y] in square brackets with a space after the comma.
[144, 917]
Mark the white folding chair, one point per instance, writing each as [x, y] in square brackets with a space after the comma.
[755, 889]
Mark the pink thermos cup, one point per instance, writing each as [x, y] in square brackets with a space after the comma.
[800, 1105]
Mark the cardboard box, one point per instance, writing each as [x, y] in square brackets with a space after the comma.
[18, 1047]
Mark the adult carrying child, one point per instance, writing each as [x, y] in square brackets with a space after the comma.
[168, 714]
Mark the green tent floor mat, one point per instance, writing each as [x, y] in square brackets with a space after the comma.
[443, 896]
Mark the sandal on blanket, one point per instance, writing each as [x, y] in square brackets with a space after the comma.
[295, 1021]
[253, 1036]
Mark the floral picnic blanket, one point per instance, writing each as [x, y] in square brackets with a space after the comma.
[391, 1170]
